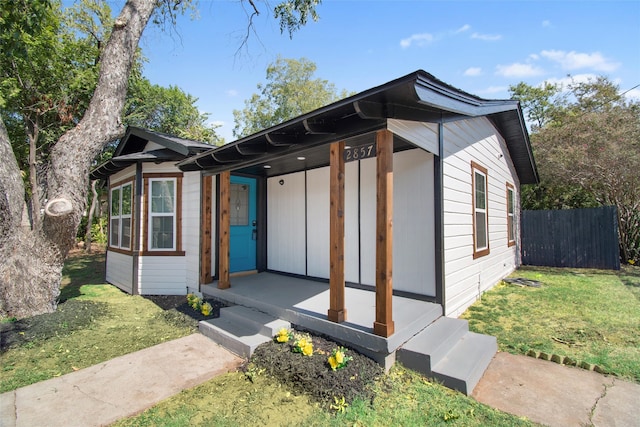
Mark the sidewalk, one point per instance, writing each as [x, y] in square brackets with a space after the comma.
[556, 395]
[118, 388]
[542, 391]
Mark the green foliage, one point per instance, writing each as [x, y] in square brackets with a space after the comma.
[294, 14]
[289, 92]
[587, 315]
[587, 148]
[169, 110]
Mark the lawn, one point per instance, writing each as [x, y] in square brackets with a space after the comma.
[589, 316]
[94, 322]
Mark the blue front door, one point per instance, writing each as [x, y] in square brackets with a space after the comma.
[243, 233]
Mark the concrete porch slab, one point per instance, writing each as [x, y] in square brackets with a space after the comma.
[305, 303]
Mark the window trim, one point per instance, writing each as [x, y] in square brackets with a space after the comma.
[511, 216]
[119, 248]
[476, 168]
[146, 244]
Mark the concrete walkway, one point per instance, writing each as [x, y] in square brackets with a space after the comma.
[542, 391]
[557, 395]
[118, 388]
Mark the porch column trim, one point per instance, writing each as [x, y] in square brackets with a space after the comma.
[224, 225]
[205, 227]
[337, 311]
[383, 325]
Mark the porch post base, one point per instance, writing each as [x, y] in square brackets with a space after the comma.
[337, 316]
[224, 285]
[383, 329]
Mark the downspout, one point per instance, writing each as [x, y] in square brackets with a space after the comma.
[135, 285]
[439, 218]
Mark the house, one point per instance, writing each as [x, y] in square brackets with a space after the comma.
[409, 190]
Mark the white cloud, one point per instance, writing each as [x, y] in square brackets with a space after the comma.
[419, 39]
[494, 89]
[465, 27]
[473, 71]
[232, 92]
[633, 94]
[566, 81]
[486, 37]
[546, 23]
[518, 70]
[575, 60]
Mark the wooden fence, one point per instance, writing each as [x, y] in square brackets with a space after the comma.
[581, 238]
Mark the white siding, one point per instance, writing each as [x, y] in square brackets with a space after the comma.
[120, 270]
[286, 223]
[351, 224]
[162, 275]
[413, 223]
[368, 221]
[465, 278]
[423, 135]
[318, 222]
[191, 227]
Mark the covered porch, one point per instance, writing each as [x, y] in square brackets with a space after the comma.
[304, 304]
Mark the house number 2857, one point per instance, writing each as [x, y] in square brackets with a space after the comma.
[359, 152]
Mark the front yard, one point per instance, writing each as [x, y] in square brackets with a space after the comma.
[590, 316]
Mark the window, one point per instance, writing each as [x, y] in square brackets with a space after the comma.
[162, 229]
[120, 216]
[162, 214]
[511, 226]
[480, 217]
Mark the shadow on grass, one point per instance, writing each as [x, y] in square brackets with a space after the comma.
[81, 269]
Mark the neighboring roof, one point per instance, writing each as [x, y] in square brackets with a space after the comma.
[131, 146]
[418, 96]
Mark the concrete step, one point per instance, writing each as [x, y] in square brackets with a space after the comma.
[429, 346]
[463, 366]
[269, 325]
[241, 330]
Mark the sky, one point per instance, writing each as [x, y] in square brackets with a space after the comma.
[481, 47]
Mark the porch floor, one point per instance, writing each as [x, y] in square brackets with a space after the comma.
[305, 303]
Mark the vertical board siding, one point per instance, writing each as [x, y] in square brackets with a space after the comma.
[119, 270]
[318, 223]
[579, 238]
[465, 278]
[368, 221]
[286, 241]
[191, 228]
[351, 224]
[413, 223]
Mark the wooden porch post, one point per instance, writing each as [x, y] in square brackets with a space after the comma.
[224, 227]
[205, 230]
[383, 325]
[337, 312]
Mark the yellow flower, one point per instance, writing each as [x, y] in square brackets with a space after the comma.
[283, 335]
[333, 363]
[339, 357]
[307, 349]
[206, 309]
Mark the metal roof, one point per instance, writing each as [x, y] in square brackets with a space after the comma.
[418, 96]
[129, 150]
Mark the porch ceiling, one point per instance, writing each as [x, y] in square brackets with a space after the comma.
[417, 97]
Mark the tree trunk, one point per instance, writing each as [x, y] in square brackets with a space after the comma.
[32, 260]
[33, 132]
[92, 212]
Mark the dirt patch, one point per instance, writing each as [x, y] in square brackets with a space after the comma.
[69, 317]
[313, 376]
[178, 312]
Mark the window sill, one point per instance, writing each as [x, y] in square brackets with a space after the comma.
[162, 253]
[120, 251]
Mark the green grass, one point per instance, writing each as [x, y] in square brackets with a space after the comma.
[97, 322]
[403, 398]
[588, 315]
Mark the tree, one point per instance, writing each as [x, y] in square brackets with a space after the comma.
[590, 147]
[289, 92]
[32, 257]
[168, 110]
